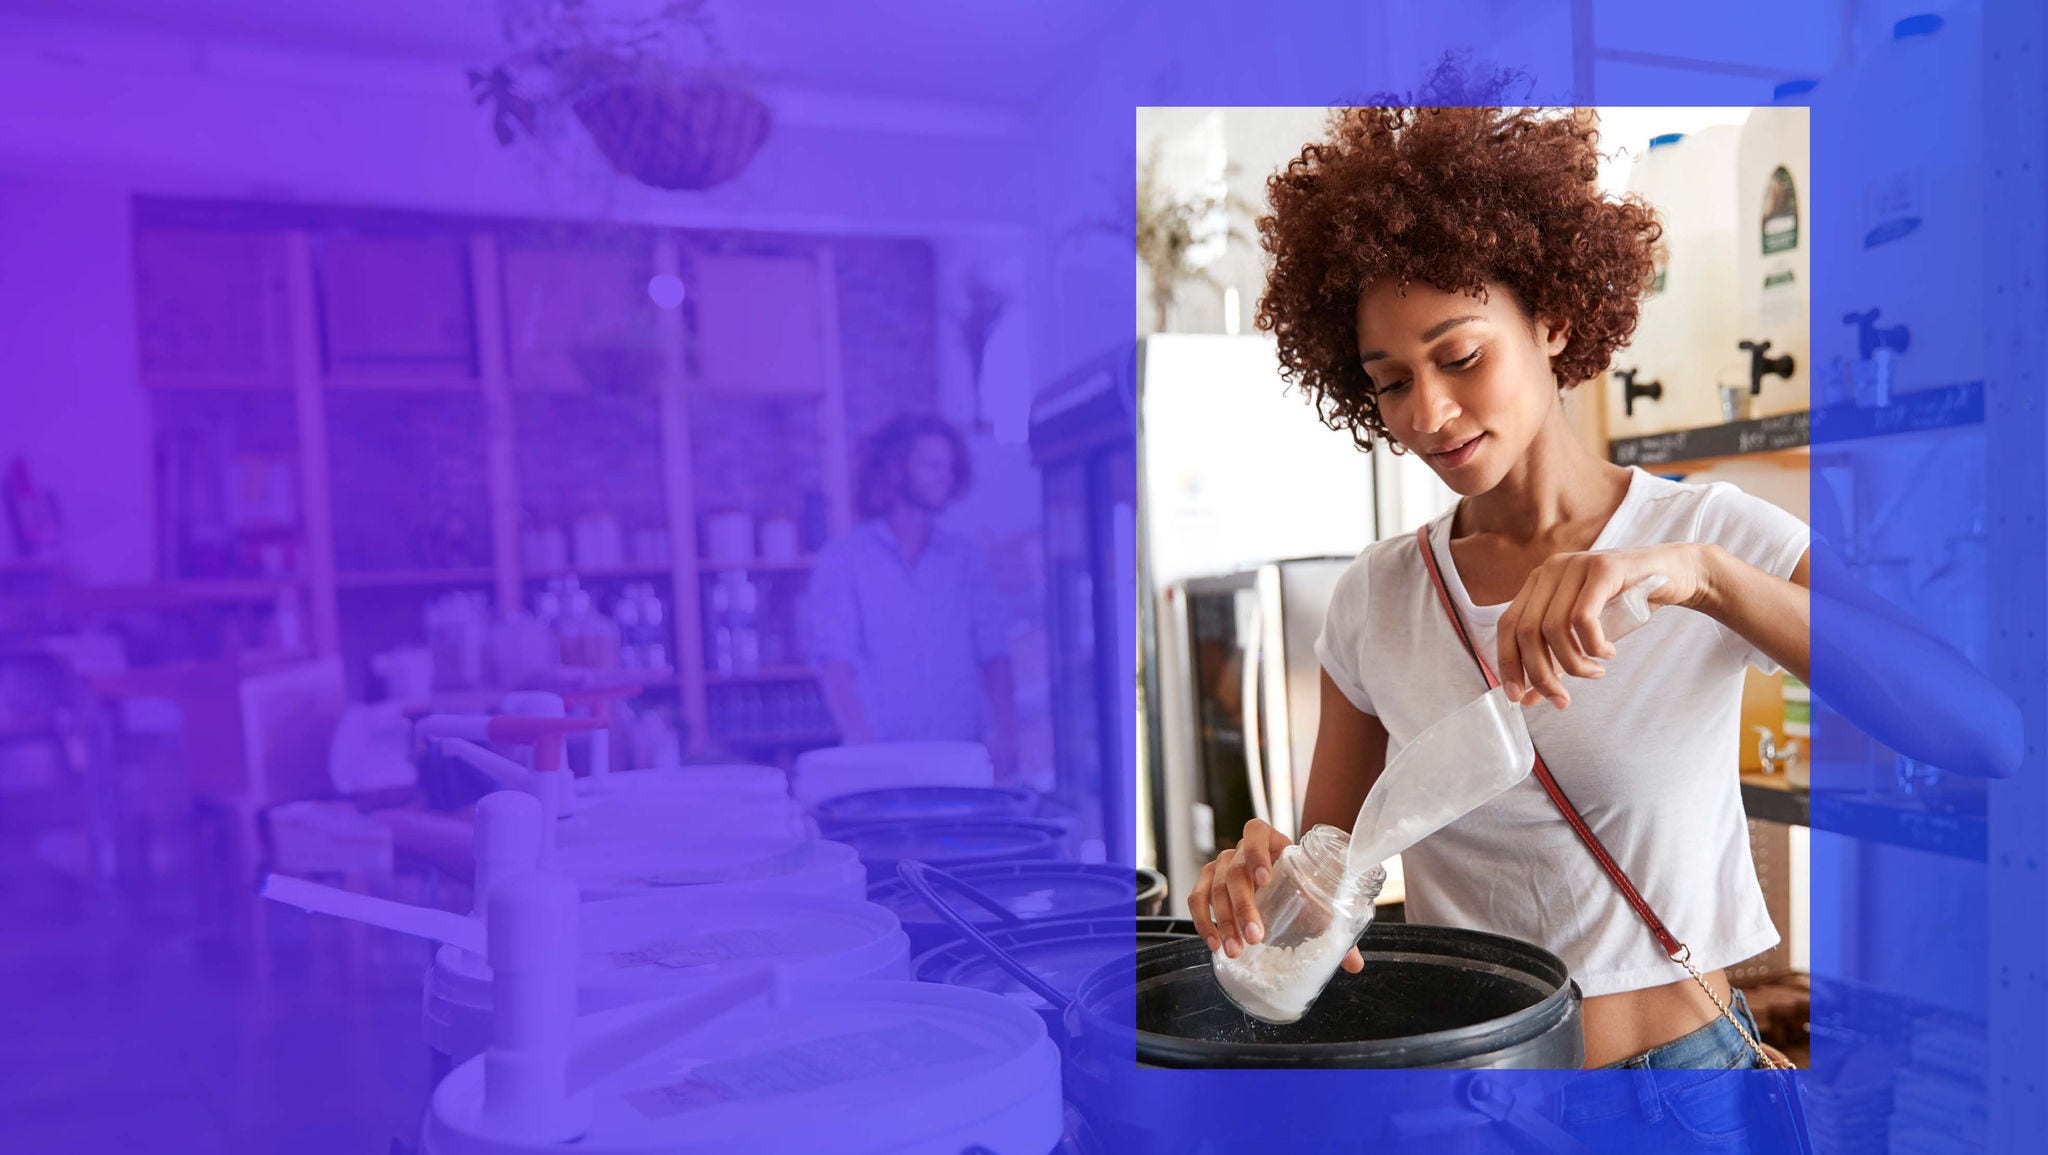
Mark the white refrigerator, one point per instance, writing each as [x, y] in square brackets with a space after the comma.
[1237, 472]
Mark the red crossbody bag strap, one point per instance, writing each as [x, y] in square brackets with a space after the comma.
[1665, 938]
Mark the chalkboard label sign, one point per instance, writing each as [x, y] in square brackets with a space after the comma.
[1916, 412]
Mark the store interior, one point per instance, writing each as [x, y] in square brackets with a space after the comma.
[343, 398]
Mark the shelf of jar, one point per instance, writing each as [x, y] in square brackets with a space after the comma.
[757, 565]
[397, 578]
[403, 383]
[215, 382]
[764, 674]
[168, 595]
[583, 572]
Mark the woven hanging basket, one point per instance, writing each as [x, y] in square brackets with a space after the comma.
[675, 137]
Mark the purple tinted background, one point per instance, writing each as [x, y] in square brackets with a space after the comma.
[153, 1007]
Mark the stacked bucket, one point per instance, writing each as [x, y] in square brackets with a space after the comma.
[700, 958]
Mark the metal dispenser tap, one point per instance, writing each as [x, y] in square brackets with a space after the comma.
[1630, 391]
[1762, 366]
[1776, 759]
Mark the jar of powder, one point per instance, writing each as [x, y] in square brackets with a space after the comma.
[1313, 910]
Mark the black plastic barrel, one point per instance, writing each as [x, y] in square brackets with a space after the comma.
[882, 845]
[922, 804]
[1028, 891]
[1062, 953]
[1429, 996]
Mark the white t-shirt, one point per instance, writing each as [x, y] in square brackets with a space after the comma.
[1648, 754]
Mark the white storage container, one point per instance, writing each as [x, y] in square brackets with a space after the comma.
[1910, 242]
[1774, 246]
[1686, 341]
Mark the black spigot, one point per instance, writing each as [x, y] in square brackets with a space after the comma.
[1630, 391]
[1870, 338]
[1761, 366]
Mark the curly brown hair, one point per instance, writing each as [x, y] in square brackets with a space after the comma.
[881, 466]
[1455, 198]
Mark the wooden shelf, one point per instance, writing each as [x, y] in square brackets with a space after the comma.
[384, 579]
[730, 391]
[765, 674]
[706, 565]
[173, 595]
[215, 382]
[1772, 798]
[602, 571]
[400, 383]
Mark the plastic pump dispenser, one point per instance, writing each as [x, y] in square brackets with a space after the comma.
[508, 839]
[549, 780]
[534, 932]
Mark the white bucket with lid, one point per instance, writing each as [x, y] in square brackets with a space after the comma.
[664, 945]
[835, 770]
[730, 778]
[859, 1067]
[760, 866]
[677, 815]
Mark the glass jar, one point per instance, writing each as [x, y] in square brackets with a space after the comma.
[1313, 911]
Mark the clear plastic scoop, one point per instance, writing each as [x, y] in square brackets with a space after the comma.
[1630, 608]
[1460, 763]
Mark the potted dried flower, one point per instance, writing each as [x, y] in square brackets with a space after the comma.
[654, 91]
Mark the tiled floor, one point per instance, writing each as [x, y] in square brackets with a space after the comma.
[125, 1028]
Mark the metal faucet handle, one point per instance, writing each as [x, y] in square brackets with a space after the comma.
[1776, 758]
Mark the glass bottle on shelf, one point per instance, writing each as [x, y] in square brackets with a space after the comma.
[717, 613]
[746, 639]
[626, 612]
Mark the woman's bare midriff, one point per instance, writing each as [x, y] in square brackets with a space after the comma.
[1621, 1026]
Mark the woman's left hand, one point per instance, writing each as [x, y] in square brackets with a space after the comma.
[1552, 628]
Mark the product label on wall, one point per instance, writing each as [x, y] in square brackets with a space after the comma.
[1781, 214]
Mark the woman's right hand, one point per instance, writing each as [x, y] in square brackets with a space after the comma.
[1221, 903]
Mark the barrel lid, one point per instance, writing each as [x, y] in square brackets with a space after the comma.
[902, 1065]
[944, 843]
[1063, 953]
[662, 815]
[715, 779]
[760, 864]
[836, 770]
[926, 803]
[1034, 891]
[636, 948]
[892, 753]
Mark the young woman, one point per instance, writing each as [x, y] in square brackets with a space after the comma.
[1440, 277]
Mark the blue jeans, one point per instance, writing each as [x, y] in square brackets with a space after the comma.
[1696, 1093]
[1718, 1046]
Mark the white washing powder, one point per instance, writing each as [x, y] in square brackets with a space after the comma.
[1275, 984]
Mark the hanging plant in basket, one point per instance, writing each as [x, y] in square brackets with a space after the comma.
[655, 93]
